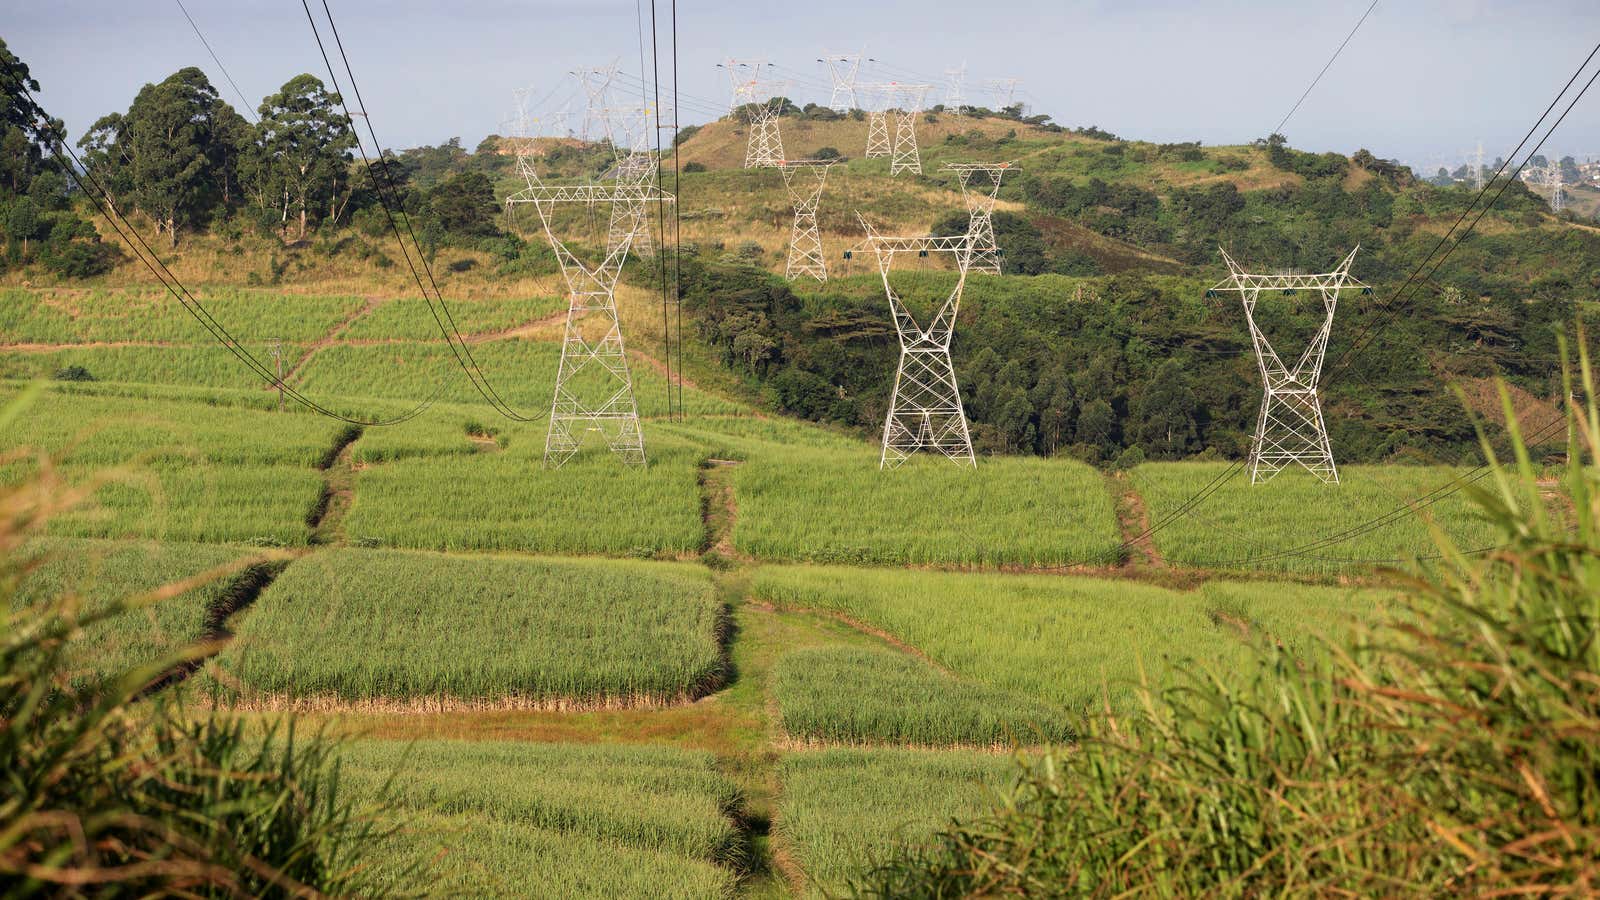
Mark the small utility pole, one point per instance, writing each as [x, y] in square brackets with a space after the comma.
[277, 357]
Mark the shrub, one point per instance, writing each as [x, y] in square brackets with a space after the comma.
[690, 168]
[72, 373]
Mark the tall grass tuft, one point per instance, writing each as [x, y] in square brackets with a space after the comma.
[1454, 751]
[104, 794]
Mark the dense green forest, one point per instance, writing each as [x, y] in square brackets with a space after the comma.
[1111, 361]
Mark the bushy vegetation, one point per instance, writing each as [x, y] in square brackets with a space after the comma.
[376, 626]
[1450, 751]
[857, 695]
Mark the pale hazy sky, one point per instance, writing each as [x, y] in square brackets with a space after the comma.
[1424, 80]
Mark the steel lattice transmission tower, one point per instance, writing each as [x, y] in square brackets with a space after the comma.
[880, 97]
[842, 69]
[980, 186]
[804, 178]
[1558, 186]
[1004, 91]
[907, 157]
[955, 85]
[765, 146]
[636, 164]
[925, 411]
[596, 84]
[1289, 428]
[594, 386]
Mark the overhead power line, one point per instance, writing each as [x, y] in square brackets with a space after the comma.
[1309, 88]
[245, 106]
[452, 334]
[106, 207]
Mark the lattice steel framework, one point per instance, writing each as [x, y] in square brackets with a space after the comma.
[925, 411]
[805, 178]
[596, 84]
[635, 164]
[876, 98]
[764, 148]
[955, 89]
[594, 386]
[906, 157]
[842, 69]
[1290, 429]
[1004, 91]
[980, 185]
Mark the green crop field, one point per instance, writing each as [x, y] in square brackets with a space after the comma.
[858, 695]
[360, 625]
[522, 373]
[410, 319]
[1244, 526]
[152, 315]
[1066, 641]
[762, 664]
[89, 429]
[817, 506]
[99, 572]
[843, 809]
[514, 819]
[508, 500]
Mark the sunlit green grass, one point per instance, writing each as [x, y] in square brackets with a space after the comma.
[512, 819]
[1073, 642]
[508, 500]
[1244, 526]
[842, 810]
[838, 506]
[372, 625]
[861, 695]
[151, 314]
[409, 318]
[101, 572]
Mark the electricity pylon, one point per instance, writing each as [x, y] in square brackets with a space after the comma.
[1477, 168]
[596, 84]
[955, 97]
[907, 158]
[1557, 186]
[880, 97]
[980, 185]
[594, 386]
[1004, 91]
[842, 69]
[635, 164]
[804, 178]
[925, 412]
[1289, 428]
[765, 145]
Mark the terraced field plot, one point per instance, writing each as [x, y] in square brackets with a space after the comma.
[102, 572]
[837, 506]
[152, 315]
[522, 373]
[396, 628]
[851, 695]
[509, 501]
[1247, 527]
[510, 819]
[843, 809]
[1067, 641]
